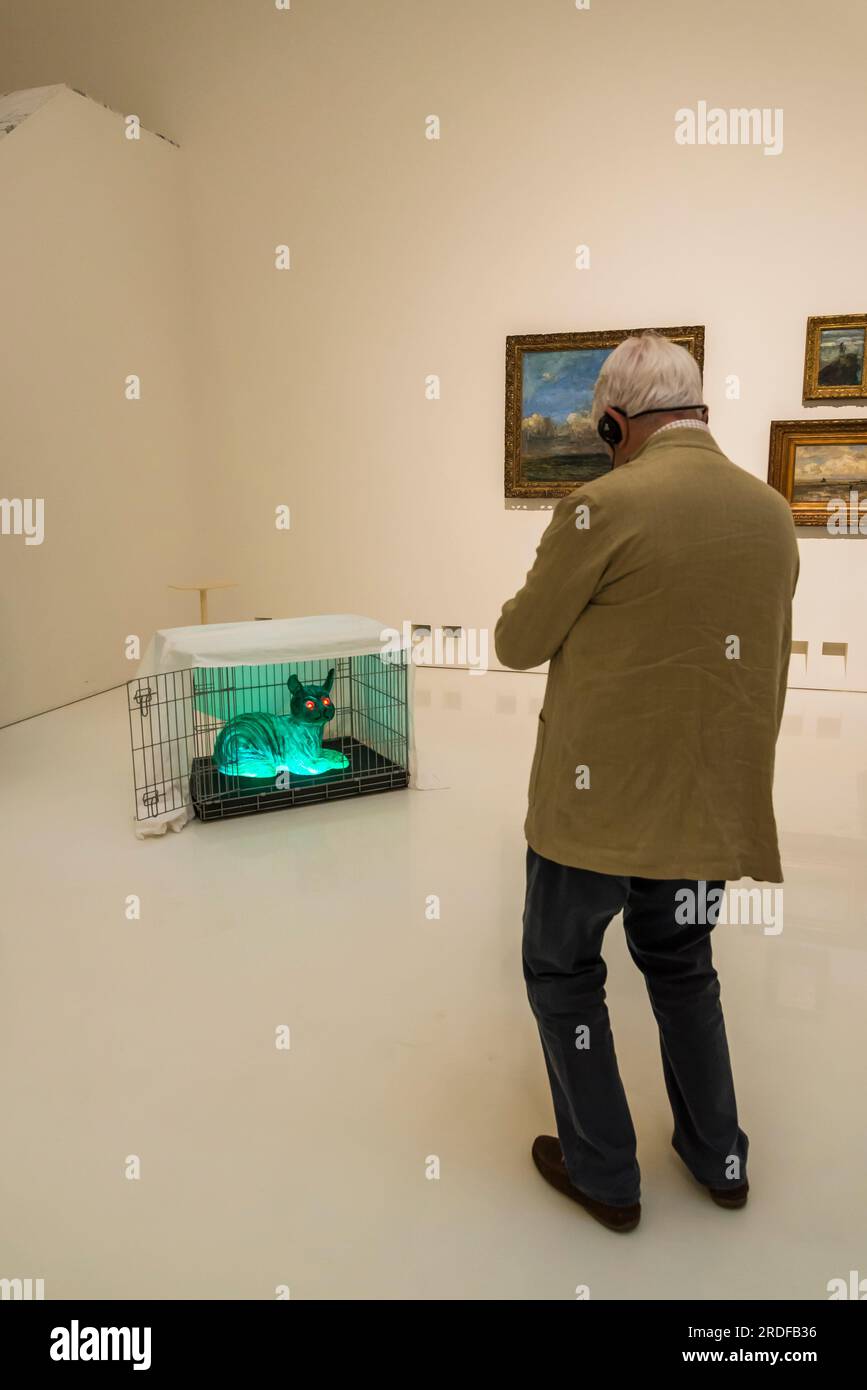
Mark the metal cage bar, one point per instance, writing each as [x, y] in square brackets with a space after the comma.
[177, 717]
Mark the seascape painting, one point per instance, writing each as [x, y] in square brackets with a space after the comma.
[558, 442]
[828, 472]
[551, 446]
[818, 465]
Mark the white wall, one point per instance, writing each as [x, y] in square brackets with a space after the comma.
[94, 285]
[411, 257]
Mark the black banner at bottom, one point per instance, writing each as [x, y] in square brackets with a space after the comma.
[162, 1338]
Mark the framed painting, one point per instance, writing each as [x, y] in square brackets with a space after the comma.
[551, 447]
[820, 467]
[834, 360]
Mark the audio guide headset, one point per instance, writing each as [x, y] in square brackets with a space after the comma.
[609, 429]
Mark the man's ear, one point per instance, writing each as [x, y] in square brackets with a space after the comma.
[328, 682]
[623, 421]
[294, 684]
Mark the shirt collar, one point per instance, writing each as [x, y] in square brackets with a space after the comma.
[682, 425]
[699, 439]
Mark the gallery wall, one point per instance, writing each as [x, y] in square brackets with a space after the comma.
[413, 257]
[94, 287]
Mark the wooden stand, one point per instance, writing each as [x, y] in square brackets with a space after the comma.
[202, 591]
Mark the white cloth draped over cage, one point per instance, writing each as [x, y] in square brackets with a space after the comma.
[192, 680]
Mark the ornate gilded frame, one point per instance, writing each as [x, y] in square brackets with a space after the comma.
[786, 435]
[692, 338]
[813, 391]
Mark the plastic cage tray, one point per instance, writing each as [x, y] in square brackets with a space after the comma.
[216, 797]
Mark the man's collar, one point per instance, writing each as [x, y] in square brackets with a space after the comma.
[665, 438]
[683, 425]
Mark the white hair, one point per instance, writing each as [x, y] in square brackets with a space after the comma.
[644, 373]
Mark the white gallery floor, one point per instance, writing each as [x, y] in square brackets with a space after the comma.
[306, 1167]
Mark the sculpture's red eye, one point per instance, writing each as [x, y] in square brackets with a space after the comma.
[310, 704]
[325, 700]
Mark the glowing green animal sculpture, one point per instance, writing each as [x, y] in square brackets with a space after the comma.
[264, 745]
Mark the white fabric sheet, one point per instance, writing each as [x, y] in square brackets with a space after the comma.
[252, 644]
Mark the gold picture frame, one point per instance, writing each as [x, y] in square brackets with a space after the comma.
[555, 463]
[834, 466]
[835, 358]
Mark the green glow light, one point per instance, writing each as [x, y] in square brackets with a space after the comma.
[260, 744]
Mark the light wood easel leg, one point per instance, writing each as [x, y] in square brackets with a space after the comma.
[202, 591]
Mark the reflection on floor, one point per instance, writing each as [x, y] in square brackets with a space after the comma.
[410, 1037]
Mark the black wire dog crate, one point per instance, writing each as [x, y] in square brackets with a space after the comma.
[236, 740]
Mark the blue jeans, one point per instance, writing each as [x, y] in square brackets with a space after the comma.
[565, 916]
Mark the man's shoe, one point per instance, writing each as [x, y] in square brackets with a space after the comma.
[730, 1197]
[548, 1158]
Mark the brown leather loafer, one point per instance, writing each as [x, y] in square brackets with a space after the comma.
[548, 1158]
[730, 1197]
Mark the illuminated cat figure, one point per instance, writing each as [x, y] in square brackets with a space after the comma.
[264, 745]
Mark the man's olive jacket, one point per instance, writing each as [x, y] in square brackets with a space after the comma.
[661, 594]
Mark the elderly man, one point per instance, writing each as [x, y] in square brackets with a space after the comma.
[661, 595]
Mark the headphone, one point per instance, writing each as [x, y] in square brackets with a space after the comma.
[609, 429]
